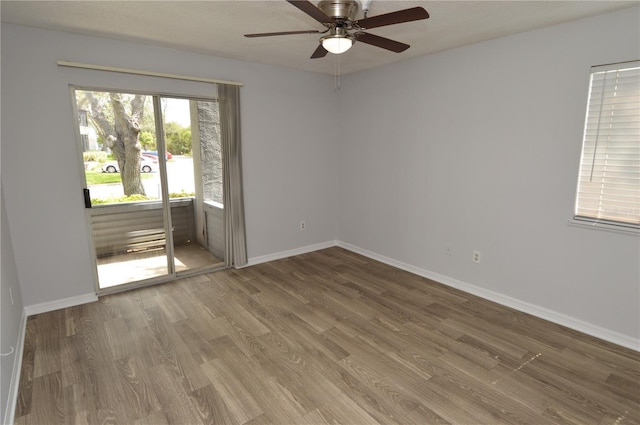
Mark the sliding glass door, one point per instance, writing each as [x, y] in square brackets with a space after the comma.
[153, 185]
[194, 176]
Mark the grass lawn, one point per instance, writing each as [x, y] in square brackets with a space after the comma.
[95, 177]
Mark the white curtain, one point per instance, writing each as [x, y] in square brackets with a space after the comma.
[235, 239]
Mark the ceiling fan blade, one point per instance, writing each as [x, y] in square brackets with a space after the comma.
[270, 34]
[311, 10]
[398, 17]
[385, 43]
[320, 52]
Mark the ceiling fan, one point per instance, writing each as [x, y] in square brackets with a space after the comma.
[342, 30]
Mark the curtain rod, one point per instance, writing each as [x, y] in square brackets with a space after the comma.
[147, 73]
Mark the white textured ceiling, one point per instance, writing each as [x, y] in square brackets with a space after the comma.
[217, 27]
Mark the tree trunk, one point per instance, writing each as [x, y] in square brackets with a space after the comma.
[126, 147]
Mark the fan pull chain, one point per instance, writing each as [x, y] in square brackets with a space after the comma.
[336, 82]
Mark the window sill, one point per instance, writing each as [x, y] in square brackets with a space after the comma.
[606, 227]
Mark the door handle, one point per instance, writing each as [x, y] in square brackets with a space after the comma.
[87, 198]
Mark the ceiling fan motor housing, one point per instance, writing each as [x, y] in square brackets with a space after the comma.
[339, 9]
[338, 17]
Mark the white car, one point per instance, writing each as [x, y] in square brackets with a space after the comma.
[146, 166]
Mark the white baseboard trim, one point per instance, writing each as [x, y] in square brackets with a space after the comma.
[289, 253]
[58, 304]
[534, 310]
[12, 399]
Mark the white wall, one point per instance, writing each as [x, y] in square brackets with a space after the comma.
[289, 171]
[473, 148]
[478, 148]
[11, 324]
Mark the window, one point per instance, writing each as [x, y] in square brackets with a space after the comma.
[152, 217]
[609, 178]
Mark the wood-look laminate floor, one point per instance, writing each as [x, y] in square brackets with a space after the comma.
[328, 337]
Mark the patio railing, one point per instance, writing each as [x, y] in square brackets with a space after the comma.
[120, 228]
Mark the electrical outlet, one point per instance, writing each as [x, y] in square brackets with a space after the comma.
[303, 226]
[476, 256]
[448, 250]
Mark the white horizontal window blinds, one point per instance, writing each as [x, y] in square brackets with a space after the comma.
[609, 180]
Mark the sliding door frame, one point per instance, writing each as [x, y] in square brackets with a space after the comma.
[161, 147]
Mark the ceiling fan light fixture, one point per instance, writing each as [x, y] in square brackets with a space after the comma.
[338, 17]
[337, 43]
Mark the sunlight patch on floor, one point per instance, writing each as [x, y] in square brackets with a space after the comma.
[131, 267]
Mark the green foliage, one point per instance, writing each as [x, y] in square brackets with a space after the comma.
[182, 194]
[148, 123]
[147, 135]
[94, 156]
[148, 140]
[98, 177]
[105, 112]
[122, 199]
[138, 198]
[178, 138]
[95, 177]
